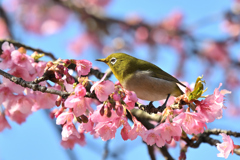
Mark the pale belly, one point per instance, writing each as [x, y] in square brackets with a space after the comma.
[150, 88]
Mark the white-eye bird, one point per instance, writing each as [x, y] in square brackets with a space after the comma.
[147, 80]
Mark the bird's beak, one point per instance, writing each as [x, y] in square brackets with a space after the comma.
[102, 60]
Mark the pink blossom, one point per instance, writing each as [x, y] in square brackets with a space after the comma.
[68, 130]
[65, 117]
[119, 108]
[42, 100]
[97, 117]
[169, 130]
[106, 130]
[72, 140]
[21, 103]
[80, 90]
[23, 60]
[6, 55]
[3, 122]
[83, 67]
[79, 104]
[137, 129]
[192, 123]
[151, 137]
[211, 107]
[39, 67]
[87, 127]
[226, 146]
[103, 89]
[17, 116]
[125, 131]
[13, 87]
[21, 72]
[106, 127]
[4, 93]
[116, 96]
[69, 87]
[130, 99]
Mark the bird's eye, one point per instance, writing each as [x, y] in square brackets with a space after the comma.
[113, 60]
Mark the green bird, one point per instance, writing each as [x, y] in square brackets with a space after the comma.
[147, 80]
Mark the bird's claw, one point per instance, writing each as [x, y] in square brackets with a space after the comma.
[161, 108]
[151, 109]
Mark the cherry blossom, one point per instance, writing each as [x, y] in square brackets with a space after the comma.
[211, 107]
[103, 89]
[151, 137]
[226, 146]
[130, 99]
[6, 55]
[190, 121]
[169, 130]
[65, 117]
[83, 67]
[79, 104]
[68, 130]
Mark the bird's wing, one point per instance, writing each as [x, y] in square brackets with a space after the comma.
[164, 75]
[157, 72]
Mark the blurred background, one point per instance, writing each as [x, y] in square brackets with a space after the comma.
[185, 38]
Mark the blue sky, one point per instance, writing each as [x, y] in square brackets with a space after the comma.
[38, 138]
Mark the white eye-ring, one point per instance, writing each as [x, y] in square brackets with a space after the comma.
[113, 60]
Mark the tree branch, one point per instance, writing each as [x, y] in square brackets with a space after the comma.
[17, 44]
[218, 131]
[33, 86]
[106, 150]
[151, 152]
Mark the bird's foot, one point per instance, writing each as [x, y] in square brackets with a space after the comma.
[161, 108]
[150, 108]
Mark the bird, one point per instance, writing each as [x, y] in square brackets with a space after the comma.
[148, 81]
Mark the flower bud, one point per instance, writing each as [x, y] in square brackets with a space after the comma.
[58, 101]
[109, 113]
[119, 110]
[102, 111]
[84, 118]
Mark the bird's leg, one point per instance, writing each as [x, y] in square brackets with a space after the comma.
[149, 108]
[161, 108]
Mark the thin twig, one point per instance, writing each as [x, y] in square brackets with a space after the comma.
[165, 153]
[204, 138]
[151, 152]
[218, 131]
[98, 74]
[18, 44]
[33, 86]
[106, 150]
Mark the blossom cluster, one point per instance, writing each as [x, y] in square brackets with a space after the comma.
[20, 102]
[78, 113]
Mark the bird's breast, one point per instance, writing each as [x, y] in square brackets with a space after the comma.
[150, 88]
